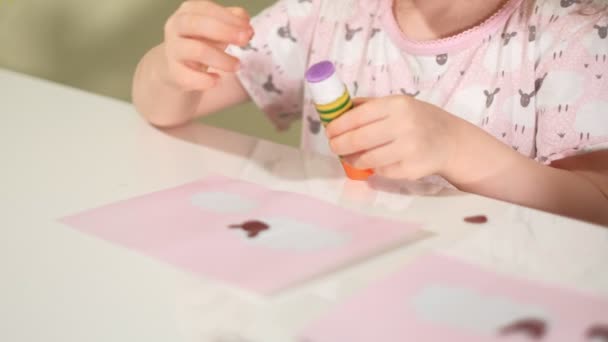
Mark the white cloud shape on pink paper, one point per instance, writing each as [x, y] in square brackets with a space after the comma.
[293, 235]
[469, 310]
[223, 202]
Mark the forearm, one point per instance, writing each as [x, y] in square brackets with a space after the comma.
[156, 98]
[488, 167]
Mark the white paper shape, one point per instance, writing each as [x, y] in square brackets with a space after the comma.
[470, 310]
[289, 234]
[223, 203]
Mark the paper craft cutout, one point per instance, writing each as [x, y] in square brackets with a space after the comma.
[531, 327]
[479, 219]
[598, 333]
[443, 304]
[438, 298]
[222, 202]
[291, 235]
[243, 233]
[253, 228]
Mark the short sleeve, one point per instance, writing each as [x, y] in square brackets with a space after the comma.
[572, 83]
[274, 63]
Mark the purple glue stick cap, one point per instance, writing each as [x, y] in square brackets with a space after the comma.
[320, 72]
[324, 83]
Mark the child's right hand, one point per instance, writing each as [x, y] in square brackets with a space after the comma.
[196, 37]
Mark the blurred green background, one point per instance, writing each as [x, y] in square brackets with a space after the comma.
[95, 46]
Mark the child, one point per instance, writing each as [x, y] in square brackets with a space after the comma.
[503, 98]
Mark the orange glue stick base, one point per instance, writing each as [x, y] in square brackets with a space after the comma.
[356, 174]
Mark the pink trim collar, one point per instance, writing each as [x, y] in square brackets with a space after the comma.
[449, 44]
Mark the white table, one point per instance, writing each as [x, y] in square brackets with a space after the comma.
[64, 150]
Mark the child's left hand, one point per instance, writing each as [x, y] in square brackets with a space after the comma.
[397, 136]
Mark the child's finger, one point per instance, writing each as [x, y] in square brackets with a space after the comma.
[200, 26]
[209, 8]
[361, 100]
[375, 158]
[242, 13]
[361, 115]
[364, 138]
[204, 53]
[395, 171]
[190, 78]
[196, 66]
[239, 12]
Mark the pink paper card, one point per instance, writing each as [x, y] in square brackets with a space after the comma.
[242, 233]
[439, 298]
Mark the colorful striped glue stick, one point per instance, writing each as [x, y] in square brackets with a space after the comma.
[331, 100]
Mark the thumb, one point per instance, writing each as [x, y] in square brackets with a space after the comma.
[239, 12]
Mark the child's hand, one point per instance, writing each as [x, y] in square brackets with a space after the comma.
[196, 36]
[397, 136]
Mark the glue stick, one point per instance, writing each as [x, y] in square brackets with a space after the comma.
[331, 100]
